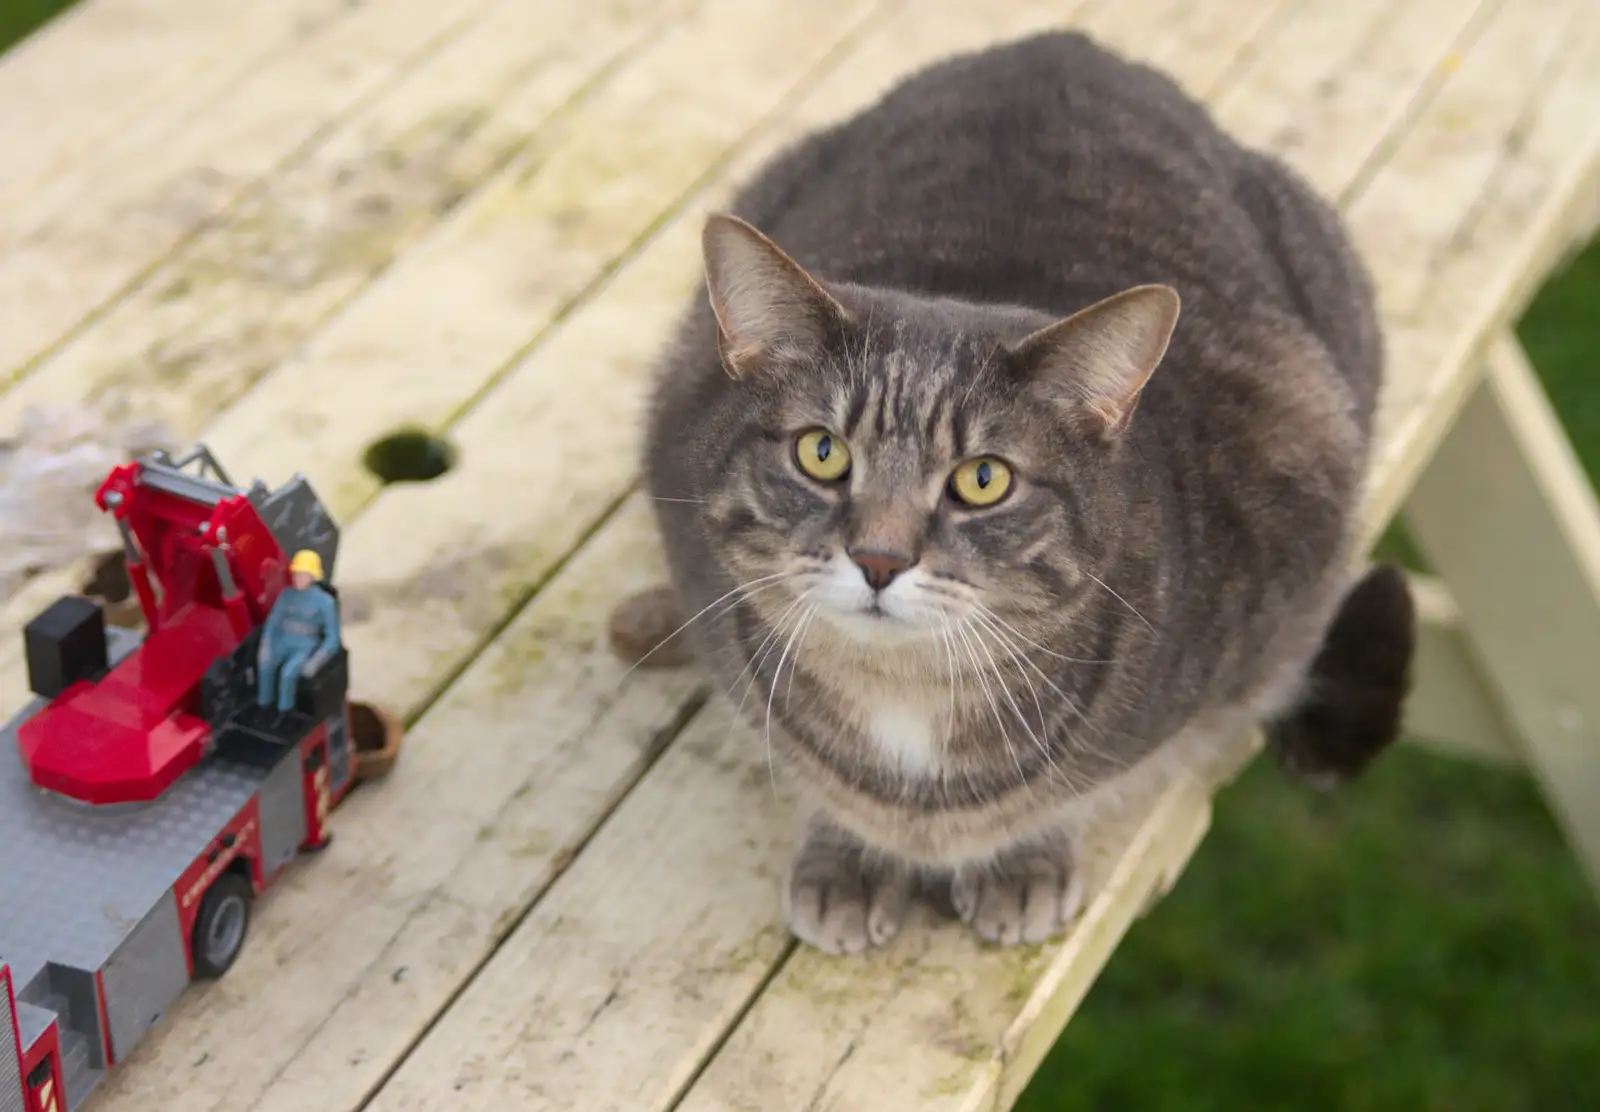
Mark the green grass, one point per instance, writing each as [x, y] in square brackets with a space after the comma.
[20, 18]
[1421, 942]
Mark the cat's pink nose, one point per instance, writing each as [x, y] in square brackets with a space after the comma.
[880, 568]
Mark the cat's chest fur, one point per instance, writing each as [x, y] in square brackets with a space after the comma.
[905, 734]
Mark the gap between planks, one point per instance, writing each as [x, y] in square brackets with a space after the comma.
[72, 248]
[94, 67]
[1438, 350]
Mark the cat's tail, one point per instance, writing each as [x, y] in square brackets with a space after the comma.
[1357, 686]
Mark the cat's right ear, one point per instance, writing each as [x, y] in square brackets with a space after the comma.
[767, 307]
[1095, 362]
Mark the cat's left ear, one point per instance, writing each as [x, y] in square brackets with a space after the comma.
[767, 307]
[1098, 360]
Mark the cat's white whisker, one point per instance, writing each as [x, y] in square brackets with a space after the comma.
[1023, 659]
[764, 649]
[997, 620]
[994, 706]
[1010, 650]
[1005, 633]
[749, 672]
[738, 595]
[1119, 598]
[954, 676]
[1038, 742]
[1026, 662]
[800, 641]
[753, 667]
[777, 675]
[977, 376]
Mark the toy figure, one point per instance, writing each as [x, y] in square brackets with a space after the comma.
[300, 634]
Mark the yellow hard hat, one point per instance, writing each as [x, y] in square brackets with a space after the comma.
[307, 561]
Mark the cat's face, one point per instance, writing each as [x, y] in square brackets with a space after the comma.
[905, 491]
[912, 472]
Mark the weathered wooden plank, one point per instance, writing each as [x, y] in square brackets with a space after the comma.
[75, 244]
[1517, 215]
[103, 63]
[622, 947]
[1274, 84]
[1506, 516]
[1198, 45]
[198, 331]
[1148, 861]
[1331, 121]
[428, 341]
[1410, 216]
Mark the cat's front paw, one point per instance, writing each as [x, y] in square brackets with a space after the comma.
[840, 897]
[1027, 895]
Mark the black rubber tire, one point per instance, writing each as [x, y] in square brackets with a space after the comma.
[222, 925]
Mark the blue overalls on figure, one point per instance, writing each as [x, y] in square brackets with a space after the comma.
[299, 635]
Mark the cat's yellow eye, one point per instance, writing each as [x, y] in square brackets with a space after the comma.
[981, 482]
[822, 455]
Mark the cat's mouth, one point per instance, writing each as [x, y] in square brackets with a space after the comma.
[874, 622]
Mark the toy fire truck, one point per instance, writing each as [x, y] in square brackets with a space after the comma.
[145, 797]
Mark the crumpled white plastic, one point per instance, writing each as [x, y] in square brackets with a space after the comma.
[49, 470]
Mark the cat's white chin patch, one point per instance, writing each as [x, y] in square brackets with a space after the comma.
[879, 629]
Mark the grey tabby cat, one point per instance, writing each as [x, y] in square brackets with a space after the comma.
[1023, 472]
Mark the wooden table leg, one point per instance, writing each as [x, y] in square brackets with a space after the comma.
[1450, 707]
[1508, 520]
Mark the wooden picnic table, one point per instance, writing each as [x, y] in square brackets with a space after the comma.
[292, 227]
